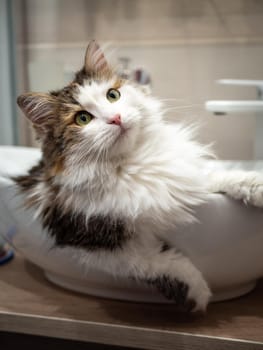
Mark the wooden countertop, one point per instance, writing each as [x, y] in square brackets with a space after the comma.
[32, 305]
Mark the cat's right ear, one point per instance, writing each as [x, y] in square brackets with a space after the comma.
[38, 108]
[95, 61]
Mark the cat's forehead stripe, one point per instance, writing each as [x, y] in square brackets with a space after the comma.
[118, 83]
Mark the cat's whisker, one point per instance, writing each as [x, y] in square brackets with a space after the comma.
[172, 99]
[189, 106]
[167, 109]
[97, 150]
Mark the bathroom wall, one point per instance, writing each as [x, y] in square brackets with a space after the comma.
[185, 46]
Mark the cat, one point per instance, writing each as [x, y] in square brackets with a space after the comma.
[114, 178]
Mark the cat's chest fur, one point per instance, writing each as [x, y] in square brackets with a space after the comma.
[152, 189]
[138, 188]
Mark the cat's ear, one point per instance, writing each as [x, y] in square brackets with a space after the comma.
[38, 108]
[95, 61]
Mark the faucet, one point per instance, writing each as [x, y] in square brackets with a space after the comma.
[139, 75]
[243, 106]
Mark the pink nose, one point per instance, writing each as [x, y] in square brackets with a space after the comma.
[116, 119]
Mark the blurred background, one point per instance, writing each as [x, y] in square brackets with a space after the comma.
[184, 46]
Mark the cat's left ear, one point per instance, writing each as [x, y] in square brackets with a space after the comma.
[95, 61]
[38, 108]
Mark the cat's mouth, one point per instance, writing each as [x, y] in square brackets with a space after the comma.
[124, 129]
[122, 133]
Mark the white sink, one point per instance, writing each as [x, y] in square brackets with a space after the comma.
[226, 244]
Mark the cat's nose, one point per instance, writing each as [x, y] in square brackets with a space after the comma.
[116, 119]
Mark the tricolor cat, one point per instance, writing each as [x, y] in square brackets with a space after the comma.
[115, 178]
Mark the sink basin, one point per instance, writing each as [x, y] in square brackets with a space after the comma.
[226, 243]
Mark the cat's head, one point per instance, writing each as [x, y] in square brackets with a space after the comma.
[97, 117]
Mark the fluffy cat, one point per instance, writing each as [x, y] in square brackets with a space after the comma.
[114, 178]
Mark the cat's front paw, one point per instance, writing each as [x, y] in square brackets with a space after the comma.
[193, 297]
[249, 189]
[200, 293]
[240, 185]
[252, 191]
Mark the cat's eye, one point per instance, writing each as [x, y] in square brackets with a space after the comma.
[113, 95]
[83, 118]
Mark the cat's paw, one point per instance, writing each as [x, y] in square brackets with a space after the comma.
[249, 190]
[252, 192]
[200, 293]
[193, 297]
[240, 185]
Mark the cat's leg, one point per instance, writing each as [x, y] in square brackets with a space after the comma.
[242, 185]
[174, 276]
[160, 267]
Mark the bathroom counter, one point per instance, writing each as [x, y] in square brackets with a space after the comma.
[30, 304]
